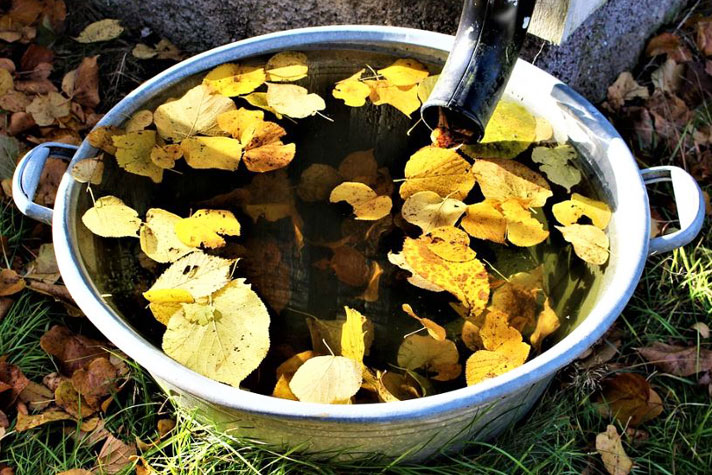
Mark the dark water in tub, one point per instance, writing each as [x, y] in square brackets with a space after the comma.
[114, 263]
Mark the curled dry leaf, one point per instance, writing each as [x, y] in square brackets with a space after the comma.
[293, 101]
[431, 355]
[609, 446]
[353, 335]
[115, 455]
[427, 210]
[625, 89]
[439, 170]
[88, 170]
[590, 243]
[287, 66]
[367, 205]
[232, 79]
[557, 164]
[629, 398]
[570, 211]
[286, 371]
[205, 226]
[110, 217]
[102, 30]
[547, 323]
[327, 380]
[678, 360]
[10, 282]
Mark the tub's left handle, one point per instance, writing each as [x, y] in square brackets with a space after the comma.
[27, 178]
[689, 202]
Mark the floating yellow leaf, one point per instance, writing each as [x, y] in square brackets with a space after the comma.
[264, 150]
[352, 91]
[517, 297]
[509, 132]
[165, 156]
[327, 380]
[88, 170]
[317, 181]
[259, 99]
[353, 344]
[240, 123]
[293, 101]
[496, 331]
[398, 259]
[223, 153]
[102, 138]
[225, 340]
[232, 79]
[139, 121]
[158, 237]
[327, 335]
[484, 220]
[502, 179]
[546, 324]
[286, 371]
[110, 217]
[287, 66]
[557, 163]
[426, 86]
[439, 170]
[169, 296]
[133, 154]
[366, 203]
[434, 330]
[467, 280]
[205, 226]
[404, 72]
[193, 114]
[102, 30]
[405, 99]
[484, 364]
[450, 244]
[590, 243]
[427, 210]
[522, 228]
[431, 355]
[164, 311]
[568, 212]
[197, 273]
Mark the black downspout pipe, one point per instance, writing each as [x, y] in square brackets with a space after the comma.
[487, 44]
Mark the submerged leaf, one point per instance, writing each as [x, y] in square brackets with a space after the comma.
[427, 353]
[557, 164]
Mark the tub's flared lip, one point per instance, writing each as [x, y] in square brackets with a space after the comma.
[610, 303]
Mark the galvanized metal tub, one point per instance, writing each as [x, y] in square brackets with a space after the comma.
[411, 429]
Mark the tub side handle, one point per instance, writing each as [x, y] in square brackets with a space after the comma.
[690, 205]
[27, 176]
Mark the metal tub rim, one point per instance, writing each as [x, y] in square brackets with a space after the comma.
[610, 302]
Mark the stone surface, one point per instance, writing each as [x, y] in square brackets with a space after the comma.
[609, 42]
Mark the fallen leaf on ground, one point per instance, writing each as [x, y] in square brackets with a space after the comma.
[629, 398]
[669, 44]
[12, 383]
[67, 397]
[327, 380]
[45, 109]
[86, 83]
[556, 163]
[73, 351]
[102, 30]
[27, 422]
[366, 203]
[609, 446]
[10, 282]
[625, 88]
[678, 360]
[110, 217]
[115, 455]
[224, 340]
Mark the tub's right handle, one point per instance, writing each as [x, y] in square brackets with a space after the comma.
[27, 176]
[689, 202]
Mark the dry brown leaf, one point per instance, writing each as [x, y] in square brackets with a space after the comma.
[678, 360]
[629, 398]
[609, 446]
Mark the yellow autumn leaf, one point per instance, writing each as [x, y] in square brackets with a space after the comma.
[426, 86]
[197, 273]
[223, 153]
[568, 212]
[352, 90]
[484, 220]
[434, 330]
[517, 296]
[366, 203]
[327, 335]
[240, 123]
[398, 259]
[286, 371]
[139, 121]
[158, 237]
[205, 226]
[287, 66]
[193, 114]
[557, 163]
[133, 154]
[466, 280]
[293, 101]
[405, 99]
[590, 243]
[102, 30]
[485, 364]
[164, 311]
[496, 330]
[404, 72]
[450, 244]
[509, 132]
[327, 380]
[259, 99]
[610, 447]
[522, 228]
[502, 179]
[264, 149]
[102, 138]
[225, 340]
[88, 170]
[169, 296]
[431, 355]
[544, 131]
[353, 335]
[165, 156]
[110, 217]
[439, 170]
[428, 210]
[232, 79]
[546, 324]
